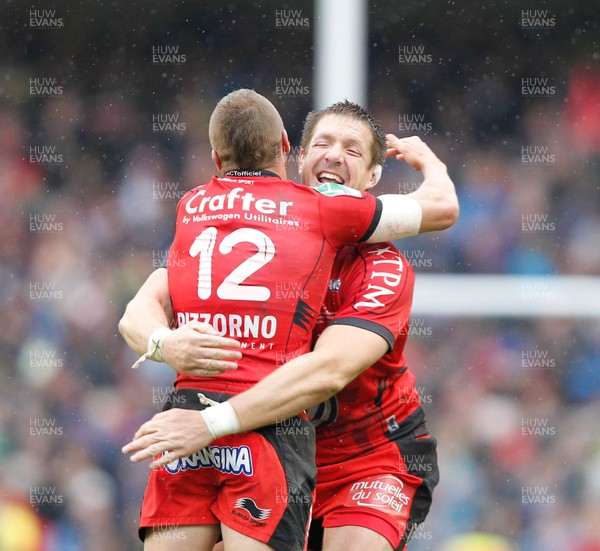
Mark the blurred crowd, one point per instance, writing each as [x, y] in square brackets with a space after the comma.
[94, 159]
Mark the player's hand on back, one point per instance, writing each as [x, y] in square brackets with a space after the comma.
[197, 349]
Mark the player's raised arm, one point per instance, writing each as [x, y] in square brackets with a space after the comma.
[194, 348]
[436, 194]
[432, 207]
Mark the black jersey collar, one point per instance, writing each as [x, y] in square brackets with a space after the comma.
[242, 172]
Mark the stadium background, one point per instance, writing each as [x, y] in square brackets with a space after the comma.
[94, 158]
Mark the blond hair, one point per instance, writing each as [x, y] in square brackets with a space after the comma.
[245, 130]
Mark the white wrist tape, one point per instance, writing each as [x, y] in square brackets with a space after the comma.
[400, 217]
[156, 342]
[221, 420]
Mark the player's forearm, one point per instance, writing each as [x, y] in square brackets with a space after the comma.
[142, 316]
[299, 384]
[311, 378]
[147, 311]
[437, 197]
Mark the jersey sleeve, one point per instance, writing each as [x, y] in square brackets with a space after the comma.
[379, 297]
[347, 215]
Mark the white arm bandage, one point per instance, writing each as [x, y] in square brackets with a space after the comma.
[221, 420]
[400, 217]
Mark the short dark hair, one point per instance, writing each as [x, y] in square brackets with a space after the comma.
[354, 111]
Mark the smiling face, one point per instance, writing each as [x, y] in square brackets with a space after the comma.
[339, 150]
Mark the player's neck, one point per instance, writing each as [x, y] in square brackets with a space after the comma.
[279, 169]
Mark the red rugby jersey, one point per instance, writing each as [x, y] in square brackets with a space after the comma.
[371, 287]
[252, 256]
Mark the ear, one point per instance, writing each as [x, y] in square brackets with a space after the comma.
[285, 142]
[216, 159]
[300, 161]
[375, 177]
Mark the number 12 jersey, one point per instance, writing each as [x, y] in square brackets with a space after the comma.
[252, 256]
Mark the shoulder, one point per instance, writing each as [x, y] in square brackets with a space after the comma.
[381, 251]
[372, 253]
[194, 191]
